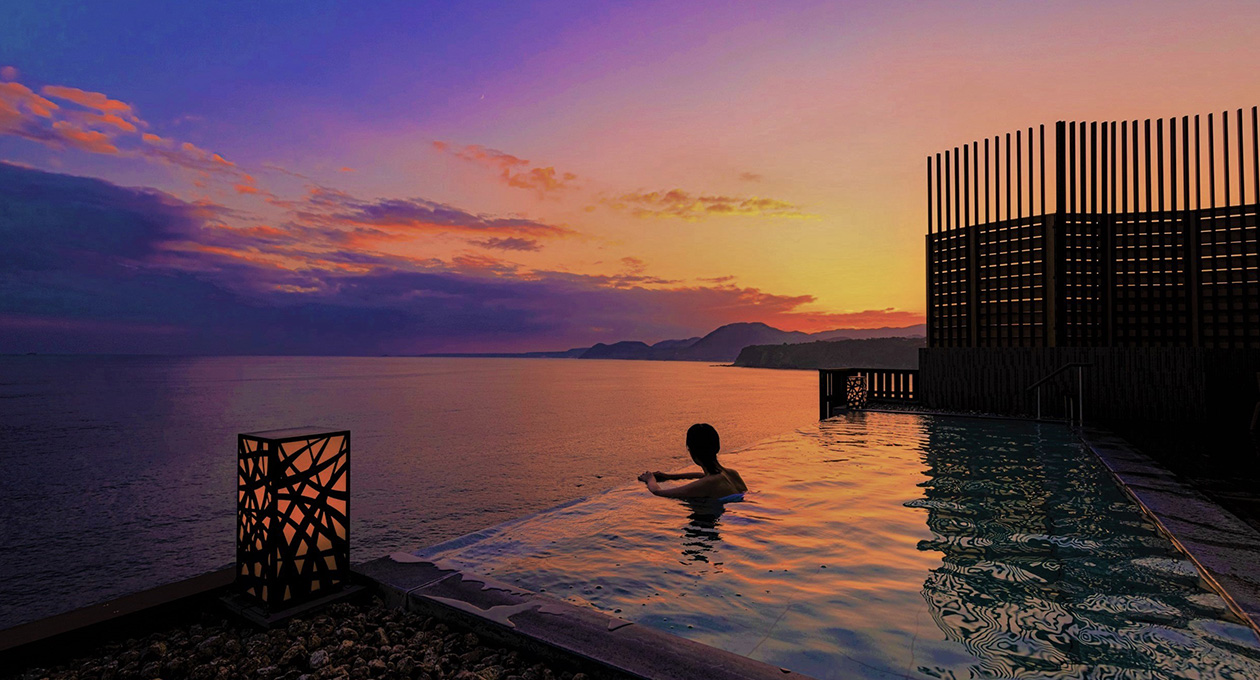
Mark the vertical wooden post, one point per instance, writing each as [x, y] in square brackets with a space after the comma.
[1060, 168]
[1008, 176]
[1113, 167]
[986, 179]
[1211, 164]
[1255, 157]
[948, 195]
[1147, 147]
[1137, 177]
[966, 188]
[1242, 178]
[824, 405]
[1031, 211]
[1225, 156]
[1185, 162]
[1084, 163]
[957, 191]
[975, 177]
[1051, 240]
[1042, 156]
[1104, 221]
[929, 195]
[1019, 174]
[1194, 265]
[1198, 187]
[1106, 172]
[973, 285]
[997, 177]
[1172, 163]
[1071, 161]
[1124, 166]
[1159, 158]
[927, 258]
[1093, 167]
[1108, 255]
[940, 226]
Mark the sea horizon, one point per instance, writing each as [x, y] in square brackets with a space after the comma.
[149, 460]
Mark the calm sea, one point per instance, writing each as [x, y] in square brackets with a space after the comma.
[118, 473]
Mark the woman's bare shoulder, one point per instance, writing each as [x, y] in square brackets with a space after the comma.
[737, 480]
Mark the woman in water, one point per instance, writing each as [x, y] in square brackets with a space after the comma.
[714, 482]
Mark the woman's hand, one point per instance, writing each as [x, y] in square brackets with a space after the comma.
[646, 476]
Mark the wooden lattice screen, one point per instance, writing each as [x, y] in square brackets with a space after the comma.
[1147, 239]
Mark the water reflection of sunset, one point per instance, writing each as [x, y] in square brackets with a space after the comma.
[883, 543]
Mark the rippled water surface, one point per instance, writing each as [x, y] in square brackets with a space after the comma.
[892, 546]
[119, 473]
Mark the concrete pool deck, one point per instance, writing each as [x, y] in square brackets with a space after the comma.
[1225, 548]
[509, 613]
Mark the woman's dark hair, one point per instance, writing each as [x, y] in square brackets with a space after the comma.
[703, 443]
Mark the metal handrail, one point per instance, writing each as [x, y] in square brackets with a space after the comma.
[1080, 402]
[1064, 367]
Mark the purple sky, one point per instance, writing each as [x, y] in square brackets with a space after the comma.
[318, 177]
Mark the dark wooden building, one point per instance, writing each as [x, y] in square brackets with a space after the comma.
[1130, 246]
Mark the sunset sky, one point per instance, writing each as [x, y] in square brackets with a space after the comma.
[315, 177]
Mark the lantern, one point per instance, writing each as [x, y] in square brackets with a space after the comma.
[293, 515]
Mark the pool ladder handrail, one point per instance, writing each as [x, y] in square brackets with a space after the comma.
[1079, 414]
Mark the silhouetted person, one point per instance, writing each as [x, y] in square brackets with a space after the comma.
[714, 481]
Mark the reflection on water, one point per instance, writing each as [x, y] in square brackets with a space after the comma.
[701, 535]
[119, 473]
[1048, 570]
[890, 546]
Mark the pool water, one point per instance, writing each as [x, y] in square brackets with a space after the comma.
[891, 546]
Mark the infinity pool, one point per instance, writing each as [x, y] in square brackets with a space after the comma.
[891, 546]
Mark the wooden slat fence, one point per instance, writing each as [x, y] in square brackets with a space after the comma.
[1147, 237]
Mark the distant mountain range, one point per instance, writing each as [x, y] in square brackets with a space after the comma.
[721, 345]
[867, 353]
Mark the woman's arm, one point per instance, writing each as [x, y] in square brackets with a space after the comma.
[697, 489]
[665, 476]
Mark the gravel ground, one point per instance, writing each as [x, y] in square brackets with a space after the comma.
[344, 641]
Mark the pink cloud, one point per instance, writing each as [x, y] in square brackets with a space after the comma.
[681, 204]
[87, 140]
[509, 243]
[511, 170]
[93, 100]
[96, 123]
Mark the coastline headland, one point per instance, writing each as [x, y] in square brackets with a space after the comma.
[722, 345]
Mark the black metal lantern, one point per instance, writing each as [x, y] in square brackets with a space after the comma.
[293, 515]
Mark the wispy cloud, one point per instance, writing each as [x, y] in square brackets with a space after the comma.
[680, 204]
[333, 208]
[511, 170]
[509, 243]
[71, 118]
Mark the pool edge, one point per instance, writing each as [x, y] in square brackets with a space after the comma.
[522, 618]
[1220, 545]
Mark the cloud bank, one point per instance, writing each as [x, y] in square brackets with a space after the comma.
[91, 266]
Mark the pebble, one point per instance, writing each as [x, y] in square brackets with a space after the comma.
[356, 641]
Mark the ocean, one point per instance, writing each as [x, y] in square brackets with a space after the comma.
[118, 473]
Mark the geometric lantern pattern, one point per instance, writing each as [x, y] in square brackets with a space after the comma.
[293, 515]
[855, 392]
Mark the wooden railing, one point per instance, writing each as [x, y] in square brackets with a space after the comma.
[852, 388]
